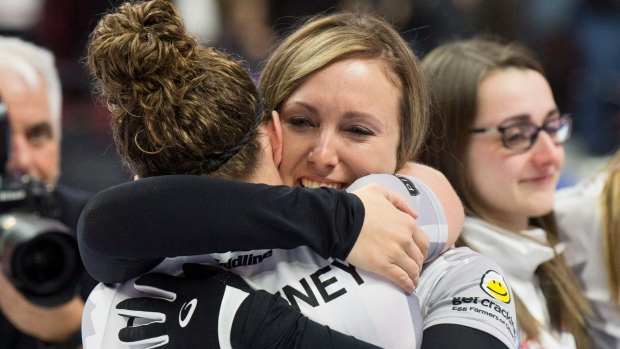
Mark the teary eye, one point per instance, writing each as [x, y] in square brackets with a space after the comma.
[360, 131]
[300, 122]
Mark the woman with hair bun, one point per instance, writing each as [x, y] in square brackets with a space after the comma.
[384, 127]
[180, 108]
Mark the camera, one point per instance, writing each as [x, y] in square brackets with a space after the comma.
[39, 254]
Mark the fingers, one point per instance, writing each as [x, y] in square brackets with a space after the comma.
[156, 285]
[400, 202]
[412, 255]
[406, 266]
[143, 307]
[421, 243]
[386, 245]
[153, 333]
[402, 279]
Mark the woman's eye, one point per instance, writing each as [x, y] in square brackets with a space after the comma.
[517, 137]
[553, 125]
[300, 122]
[360, 131]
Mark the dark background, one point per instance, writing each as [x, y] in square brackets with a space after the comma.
[577, 40]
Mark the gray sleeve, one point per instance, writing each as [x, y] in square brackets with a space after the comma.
[462, 287]
[431, 215]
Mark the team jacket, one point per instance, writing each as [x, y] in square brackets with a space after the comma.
[454, 288]
[579, 218]
[519, 255]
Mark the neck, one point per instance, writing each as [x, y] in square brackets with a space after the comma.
[506, 221]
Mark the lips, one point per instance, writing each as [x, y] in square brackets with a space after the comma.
[309, 183]
[540, 180]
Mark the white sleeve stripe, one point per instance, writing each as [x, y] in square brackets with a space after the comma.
[231, 302]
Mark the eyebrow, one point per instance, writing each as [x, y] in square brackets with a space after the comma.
[526, 117]
[350, 115]
[310, 107]
[43, 125]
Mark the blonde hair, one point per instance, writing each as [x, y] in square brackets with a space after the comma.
[455, 71]
[177, 107]
[610, 216]
[322, 41]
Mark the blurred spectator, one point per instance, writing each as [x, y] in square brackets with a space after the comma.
[202, 18]
[247, 31]
[19, 16]
[596, 84]
[30, 90]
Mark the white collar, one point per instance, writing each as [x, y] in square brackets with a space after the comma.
[518, 254]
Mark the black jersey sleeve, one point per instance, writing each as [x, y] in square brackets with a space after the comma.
[453, 336]
[126, 230]
[268, 321]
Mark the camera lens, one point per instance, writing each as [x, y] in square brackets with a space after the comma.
[41, 258]
[42, 261]
[45, 264]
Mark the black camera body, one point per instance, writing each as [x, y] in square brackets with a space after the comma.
[39, 254]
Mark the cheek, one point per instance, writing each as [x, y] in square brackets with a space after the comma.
[47, 162]
[293, 154]
[366, 158]
[48, 155]
[489, 175]
[561, 157]
[383, 153]
[286, 165]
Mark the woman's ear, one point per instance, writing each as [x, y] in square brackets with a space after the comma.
[274, 131]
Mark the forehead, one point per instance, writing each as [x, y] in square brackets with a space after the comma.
[27, 102]
[511, 92]
[352, 85]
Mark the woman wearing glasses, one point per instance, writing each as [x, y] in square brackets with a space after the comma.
[497, 136]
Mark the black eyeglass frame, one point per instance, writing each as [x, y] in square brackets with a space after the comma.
[545, 127]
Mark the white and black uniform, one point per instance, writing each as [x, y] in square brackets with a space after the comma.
[519, 255]
[351, 301]
[579, 218]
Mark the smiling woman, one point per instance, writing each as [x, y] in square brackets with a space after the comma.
[497, 135]
[181, 108]
[343, 113]
[354, 102]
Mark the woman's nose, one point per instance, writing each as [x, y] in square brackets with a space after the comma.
[324, 152]
[544, 150]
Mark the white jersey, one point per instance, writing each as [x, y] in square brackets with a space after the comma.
[579, 218]
[519, 255]
[463, 287]
[332, 292]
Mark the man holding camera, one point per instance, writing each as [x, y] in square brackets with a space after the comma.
[31, 94]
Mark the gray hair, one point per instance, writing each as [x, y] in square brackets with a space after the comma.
[27, 60]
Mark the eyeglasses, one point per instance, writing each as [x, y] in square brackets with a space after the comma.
[523, 135]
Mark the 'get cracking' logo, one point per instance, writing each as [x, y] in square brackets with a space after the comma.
[494, 285]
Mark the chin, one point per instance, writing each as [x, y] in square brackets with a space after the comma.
[540, 210]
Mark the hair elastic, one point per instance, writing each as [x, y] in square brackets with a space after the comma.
[213, 164]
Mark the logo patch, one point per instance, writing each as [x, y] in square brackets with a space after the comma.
[413, 191]
[494, 285]
[183, 321]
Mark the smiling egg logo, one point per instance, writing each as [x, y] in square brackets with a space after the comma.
[494, 285]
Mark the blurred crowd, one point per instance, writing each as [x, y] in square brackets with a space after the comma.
[577, 40]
